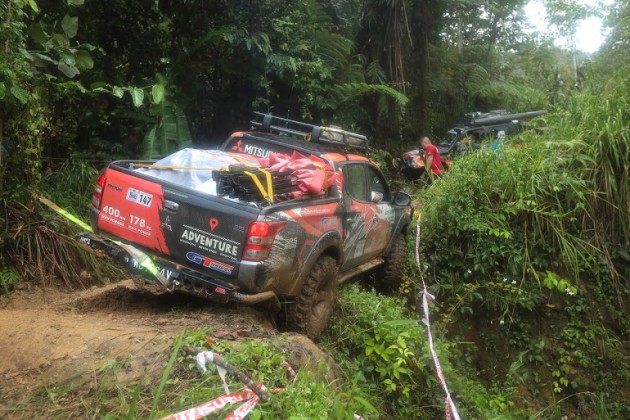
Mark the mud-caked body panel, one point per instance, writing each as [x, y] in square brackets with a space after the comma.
[310, 230]
[353, 223]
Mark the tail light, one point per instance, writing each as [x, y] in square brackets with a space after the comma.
[97, 196]
[260, 238]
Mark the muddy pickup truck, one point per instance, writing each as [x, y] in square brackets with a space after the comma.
[303, 210]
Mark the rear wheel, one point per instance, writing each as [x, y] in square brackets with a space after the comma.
[314, 306]
[395, 263]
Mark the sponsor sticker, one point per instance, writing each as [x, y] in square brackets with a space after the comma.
[209, 263]
[167, 224]
[209, 242]
[139, 197]
[256, 151]
[308, 211]
[112, 215]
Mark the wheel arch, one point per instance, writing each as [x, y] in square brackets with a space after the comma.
[328, 244]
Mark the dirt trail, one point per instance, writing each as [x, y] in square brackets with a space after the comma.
[51, 336]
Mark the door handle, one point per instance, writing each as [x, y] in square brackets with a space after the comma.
[171, 205]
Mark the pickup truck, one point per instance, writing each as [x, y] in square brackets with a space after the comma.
[290, 252]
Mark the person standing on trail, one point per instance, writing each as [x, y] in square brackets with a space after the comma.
[431, 158]
[497, 145]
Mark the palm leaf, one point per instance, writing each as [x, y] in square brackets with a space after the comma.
[169, 134]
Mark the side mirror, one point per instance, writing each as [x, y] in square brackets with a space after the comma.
[377, 197]
[402, 199]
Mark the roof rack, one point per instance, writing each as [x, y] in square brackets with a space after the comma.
[475, 119]
[470, 117]
[331, 136]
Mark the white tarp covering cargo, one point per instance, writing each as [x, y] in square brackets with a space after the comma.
[193, 168]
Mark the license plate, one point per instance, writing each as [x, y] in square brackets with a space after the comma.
[139, 197]
[164, 272]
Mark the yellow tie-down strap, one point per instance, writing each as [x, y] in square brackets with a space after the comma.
[196, 168]
[323, 169]
[267, 193]
[242, 160]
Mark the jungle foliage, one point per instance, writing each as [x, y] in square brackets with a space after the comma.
[534, 237]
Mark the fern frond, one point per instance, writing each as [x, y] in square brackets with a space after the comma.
[349, 91]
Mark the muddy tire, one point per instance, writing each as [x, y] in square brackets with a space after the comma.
[310, 314]
[393, 268]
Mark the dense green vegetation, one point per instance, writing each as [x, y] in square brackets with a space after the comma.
[526, 249]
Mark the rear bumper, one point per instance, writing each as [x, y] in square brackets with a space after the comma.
[177, 276]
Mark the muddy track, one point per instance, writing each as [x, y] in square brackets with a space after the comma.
[52, 336]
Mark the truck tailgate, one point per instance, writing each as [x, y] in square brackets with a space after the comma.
[190, 227]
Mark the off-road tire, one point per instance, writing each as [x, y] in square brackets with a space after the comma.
[391, 274]
[314, 306]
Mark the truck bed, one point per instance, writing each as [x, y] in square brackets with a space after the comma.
[189, 227]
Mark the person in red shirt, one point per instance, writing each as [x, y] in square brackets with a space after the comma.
[431, 158]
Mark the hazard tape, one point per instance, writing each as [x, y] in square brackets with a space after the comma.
[242, 412]
[248, 396]
[289, 369]
[143, 259]
[449, 406]
[63, 212]
[210, 407]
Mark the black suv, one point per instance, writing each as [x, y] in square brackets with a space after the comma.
[477, 127]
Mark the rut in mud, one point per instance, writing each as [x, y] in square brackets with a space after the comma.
[52, 337]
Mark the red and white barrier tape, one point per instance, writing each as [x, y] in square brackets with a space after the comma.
[210, 407]
[426, 296]
[289, 369]
[250, 398]
[242, 412]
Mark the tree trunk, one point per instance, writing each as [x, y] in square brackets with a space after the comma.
[7, 21]
[419, 64]
[460, 37]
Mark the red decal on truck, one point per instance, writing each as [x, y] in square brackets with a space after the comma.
[132, 211]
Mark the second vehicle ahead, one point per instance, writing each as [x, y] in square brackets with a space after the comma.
[468, 134]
